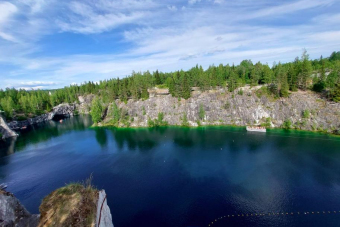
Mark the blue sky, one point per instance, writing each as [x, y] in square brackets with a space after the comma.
[53, 43]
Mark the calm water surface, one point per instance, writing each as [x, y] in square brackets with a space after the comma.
[181, 177]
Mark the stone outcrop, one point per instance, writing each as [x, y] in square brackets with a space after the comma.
[74, 198]
[238, 108]
[104, 218]
[65, 110]
[12, 213]
[85, 103]
[5, 130]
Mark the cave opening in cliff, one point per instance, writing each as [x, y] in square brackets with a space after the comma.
[59, 117]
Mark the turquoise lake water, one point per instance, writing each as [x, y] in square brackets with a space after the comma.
[182, 176]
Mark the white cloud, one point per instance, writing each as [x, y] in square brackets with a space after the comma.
[172, 8]
[7, 10]
[152, 37]
[86, 20]
[288, 8]
[191, 2]
[35, 83]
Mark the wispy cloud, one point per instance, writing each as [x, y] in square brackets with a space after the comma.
[73, 41]
[172, 8]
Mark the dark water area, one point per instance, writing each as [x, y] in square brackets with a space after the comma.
[181, 177]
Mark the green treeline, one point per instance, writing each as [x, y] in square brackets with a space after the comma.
[320, 75]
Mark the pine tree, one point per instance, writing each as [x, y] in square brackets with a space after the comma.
[186, 90]
[232, 82]
[336, 93]
[306, 69]
[96, 110]
[157, 78]
[266, 75]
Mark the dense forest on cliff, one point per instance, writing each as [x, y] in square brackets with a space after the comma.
[320, 75]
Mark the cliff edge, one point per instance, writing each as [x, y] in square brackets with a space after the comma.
[304, 110]
[5, 131]
[72, 205]
[12, 213]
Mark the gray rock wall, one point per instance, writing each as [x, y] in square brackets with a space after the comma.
[5, 130]
[104, 218]
[12, 213]
[62, 109]
[225, 108]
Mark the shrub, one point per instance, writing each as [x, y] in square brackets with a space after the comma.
[267, 123]
[116, 113]
[226, 105]
[201, 112]
[143, 109]
[157, 122]
[21, 118]
[263, 91]
[319, 86]
[185, 122]
[306, 114]
[314, 126]
[96, 110]
[240, 92]
[151, 123]
[287, 124]
[161, 86]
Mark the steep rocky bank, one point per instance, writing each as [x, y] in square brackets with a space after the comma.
[12, 213]
[65, 110]
[5, 130]
[72, 205]
[305, 110]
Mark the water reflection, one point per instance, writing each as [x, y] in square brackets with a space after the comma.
[43, 132]
[184, 177]
[101, 137]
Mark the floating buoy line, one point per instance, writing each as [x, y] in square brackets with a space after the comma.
[232, 216]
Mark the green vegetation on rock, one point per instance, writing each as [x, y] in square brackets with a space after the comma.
[287, 124]
[185, 122]
[201, 112]
[96, 110]
[157, 122]
[72, 205]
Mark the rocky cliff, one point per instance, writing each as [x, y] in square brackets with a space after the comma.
[246, 106]
[5, 130]
[103, 217]
[65, 110]
[12, 213]
[72, 205]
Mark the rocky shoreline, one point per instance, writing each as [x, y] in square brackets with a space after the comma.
[65, 110]
[303, 110]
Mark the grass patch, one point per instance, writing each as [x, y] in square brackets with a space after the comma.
[72, 205]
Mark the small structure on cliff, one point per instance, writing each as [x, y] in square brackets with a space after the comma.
[154, 92]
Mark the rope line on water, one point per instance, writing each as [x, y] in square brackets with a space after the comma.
[230, 216]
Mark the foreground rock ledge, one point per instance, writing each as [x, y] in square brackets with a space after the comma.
[72, 205]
